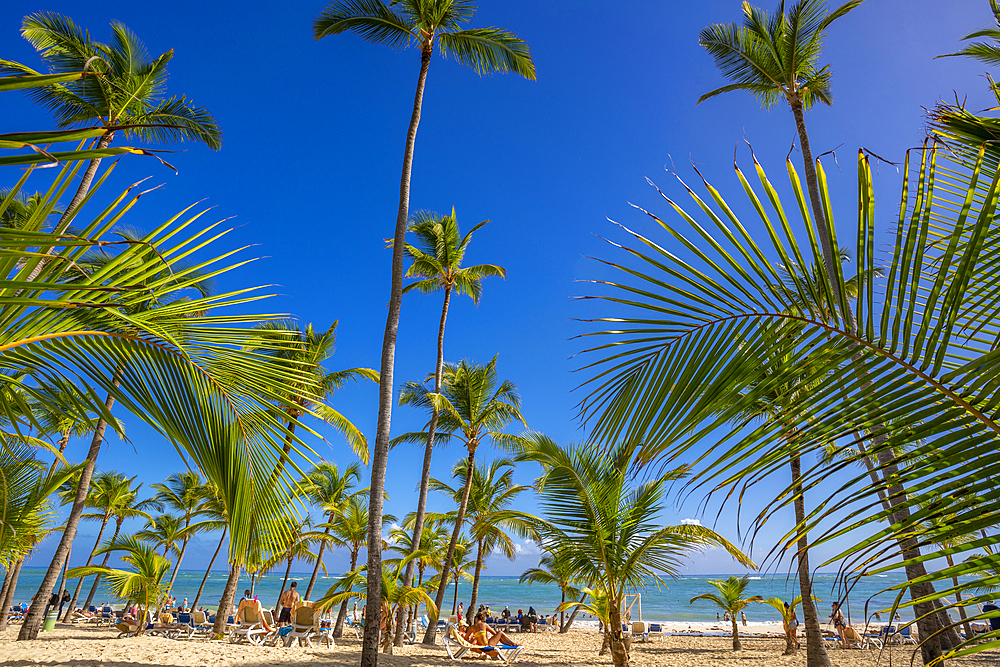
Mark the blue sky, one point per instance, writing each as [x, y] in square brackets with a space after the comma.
[312, 143]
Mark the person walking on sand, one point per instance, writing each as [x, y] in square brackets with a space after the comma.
[287, 601]
[743, 615]
[792, 624]
[837, 618]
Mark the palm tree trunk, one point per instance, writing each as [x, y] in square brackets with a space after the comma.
[816, 655]
[287, 447]
[470, 612]
[63, 441]
[425, 478]
[958, 598]
[177, 567]
[338, 627]
[737, 645]
[194, 605]
[454, 602]
[431, 635]
[7, 595]
[319, 562]
[79, 582]
[284, 582]
[380, 457]
[936, 638]
[226, 603]
[33, 621]
[619, 654]
[97, 579]
[253, 583]
[569, 622]
[562, 601]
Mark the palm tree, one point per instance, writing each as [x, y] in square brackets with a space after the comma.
[730, 599]
[555, 570]
[986, 52]
[108, 490]
[475, 407]
[22, 207]
[489, 518]
[393, 595]
[287, 347]
[164, 530]
[485, 50]
[143, 584]
[437, 263]
[786, 610]
[127, 506]
[350, 531]
[213, 517]
[126, 97]
[106, 268]
[298, 548]
[433, 539]
[329, 489]
[184, 493]
[608, 529]
[775, 57]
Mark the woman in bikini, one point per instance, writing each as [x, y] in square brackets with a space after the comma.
[481, 634]
[837, 617]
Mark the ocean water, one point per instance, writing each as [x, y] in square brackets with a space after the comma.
[670, 603]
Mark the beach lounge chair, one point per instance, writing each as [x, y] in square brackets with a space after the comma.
[640, 631]
[457, 646]
[200, 627]
[655, 632]
[306, 625]
[906, 637]
[249, 628]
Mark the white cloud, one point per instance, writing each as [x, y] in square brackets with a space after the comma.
[527, 548]
[690, 522]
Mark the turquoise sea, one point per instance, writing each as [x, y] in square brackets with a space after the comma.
[663, 604]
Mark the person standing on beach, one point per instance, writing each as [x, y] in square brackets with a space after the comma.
[792, 624]
[287, 601]
[743, 615]
[505, 614]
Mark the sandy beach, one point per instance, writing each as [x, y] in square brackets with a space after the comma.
[86, 647]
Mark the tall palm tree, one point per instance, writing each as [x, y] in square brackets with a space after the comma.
[606, 527]
[555, 570]
[127, 96]
[475, 406]
[775, 57]
[437, 256]
[309, 350]
[143, 584]
[184, 493]
[127, 507]
[489, 518]
[423, 23]
[730, 599]
[350, 531]
[329, 489]
[433, 538]
[214, 517]
[108, 490]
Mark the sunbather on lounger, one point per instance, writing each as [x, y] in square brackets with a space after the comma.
[481, 634]
[254, 605]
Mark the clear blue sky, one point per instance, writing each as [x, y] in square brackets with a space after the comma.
[313, 139]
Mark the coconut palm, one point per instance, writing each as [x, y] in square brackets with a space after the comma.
[329, 489]
[606, 526]
[213, 517]
[127, 96]
[437, 256]
[163, 530]
[554, 570]
[309, 350]
[475, 407]
[426, 24]
[22, 208]
[775, 57]
[350, 531]
[108, 491]
[925, 356]
[184, 493]
[730, 599]
[433, 538]
[984, 51]
[354, 586]
[489, 517]
[143, 584]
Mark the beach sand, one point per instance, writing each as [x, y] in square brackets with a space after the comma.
[87, 647]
